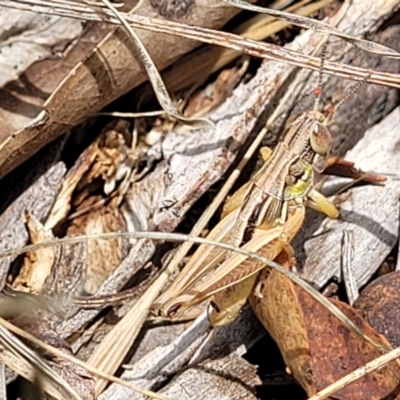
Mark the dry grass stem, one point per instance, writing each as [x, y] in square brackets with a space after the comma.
[177, 237]
[218, 38]
[154, 76]
[58, 353]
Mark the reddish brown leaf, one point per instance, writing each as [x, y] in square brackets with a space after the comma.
[316, 347]
[379, 303]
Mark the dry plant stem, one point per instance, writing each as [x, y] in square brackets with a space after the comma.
[131, 115]
[211, 59]
[154, 76]
[224, 39]
[304, 22]
[357, 374]
[177, 237]
[58, 353]
[50, 381]
[317, 26]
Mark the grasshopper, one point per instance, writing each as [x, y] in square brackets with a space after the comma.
[264, 215]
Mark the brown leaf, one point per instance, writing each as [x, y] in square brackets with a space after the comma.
[316, 347]
[37, 53]
[379, 303]
[111, 70]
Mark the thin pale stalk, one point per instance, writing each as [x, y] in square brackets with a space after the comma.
[143, 114]
[50, 381]
[3, 383]
[224, 39]
[177, 237]
[160, 90]
[58, 353]
[319, 26]
[304, 22]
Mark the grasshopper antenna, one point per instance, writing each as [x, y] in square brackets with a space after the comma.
[318, 89]
[350, 93]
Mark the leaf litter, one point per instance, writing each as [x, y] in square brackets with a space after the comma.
[145, 309]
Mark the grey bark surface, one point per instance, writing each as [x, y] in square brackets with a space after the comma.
[226, 375]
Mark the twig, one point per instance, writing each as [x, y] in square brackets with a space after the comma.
[218, 38]
[3, 384]
[318, 26]
[143, 114]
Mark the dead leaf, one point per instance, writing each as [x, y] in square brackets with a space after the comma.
[316, 347]
[379, 303]
[111, 70]
[35, 54]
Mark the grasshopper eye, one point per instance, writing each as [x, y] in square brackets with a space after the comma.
[173, 311]
[320, 139]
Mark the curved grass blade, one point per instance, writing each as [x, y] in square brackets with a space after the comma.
[53, 383]
[177, 237]
[320, 27]
[155, 77]
[218, 38]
